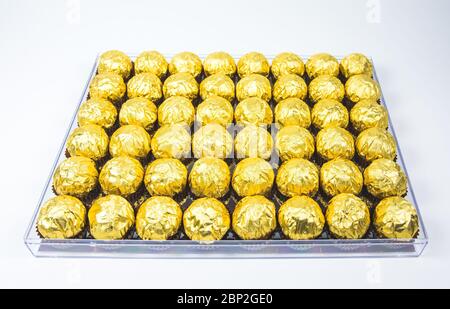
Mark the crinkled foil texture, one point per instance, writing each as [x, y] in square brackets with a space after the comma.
[219, 62]
[368, 114]
[181, 84]
[146, 85]
[130, 140]
[253, 63]
[335, 142]
[215, 110]
[138, 111]
[108, 86]
[326, 87]
[151, 62]
[292, 111]
[362, 87]
[171, 141]
[89, 141]
[376, 143]
[217, 85]
[254, 111]
[253, 142]
[340, 176]
[355, 64]
[298, 177]
[121, 175]
[294, 142]
[176, 110]
[114, 61]
[322, 64]
[75, 176]
[287, 63]
[385, 178]
[186, 62]
[166, 176]
[289, 86]
[253, 176]
[329, 113]
[97, 111]
[210, 177]
[254, 85]
[212, 140]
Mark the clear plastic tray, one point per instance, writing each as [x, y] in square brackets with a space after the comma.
[134, 248]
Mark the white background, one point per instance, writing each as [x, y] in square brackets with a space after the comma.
[46, 52]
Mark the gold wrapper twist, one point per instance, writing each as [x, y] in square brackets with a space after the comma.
[322, 64]
[146, 85]
[254, 217]
[368, 114]
[219, 62]
[206, 219]
[294, 142]
[340, 176]
[212, 140]
[114, 61]
[130, 140]
[158, 218]
[326, 87]
[89, 141]
[165, 177]
[253, 142]
[254, 85]
[300, 217]
[62, 216]
[97, 111]
[254, 111]
[253, 176]
[355, 64]
[121, 175]
[108, 86]
[348, 216]
[287, 63]
[215, 110]
[75, 176]
[210, 177]
[329, 113]
[362, 87]
[335, 142]
[186, 62]
[289, 86]
[151, 62]
[293, 111]
[217, 85]
[253, 63]
[384, 178]
[110, 217]
[376, 143]
[298, 177]
[172, 141]
[176, 110]
[181, 84]
[138, 111]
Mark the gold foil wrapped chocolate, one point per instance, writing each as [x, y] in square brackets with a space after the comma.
[253, 111]
[114, 61]
[289, 86]
[252, 176]
[219, 62]
[329, 113]
[110, 217]
[138, 111]
[292, 111]
[212, 140]
[217, 85]
[130, 140]
[75, 176]
[254, 85]
[166, 176]
[97, 111]
[181, 84]
[294, 142]
[215, 110]
[108, 86]
[253, 63]
[253, 142]
[121, 175]
[158, 218]
[89, 141]
[322, 64]
[300, 217]
[186, 62]
[376, 143]
[348, 216]
[151, 62]
[326, 87]
[355, 64]
[210, 177]
[395, 217]
[176, 110]
[172, 141]
[384, 178]
[335, 142]
[206, 219]
[62, 216]
[287, 63]
[254, 217]
[146, 85]
[368, 114]
[298, 177]
[362, 87]
[340, 176]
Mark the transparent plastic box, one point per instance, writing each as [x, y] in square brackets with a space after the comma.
[273, 248]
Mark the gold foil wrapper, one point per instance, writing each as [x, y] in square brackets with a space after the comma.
[294, 142]
[181, 84]
[289, 86]
[362, 87]
[326, 87]
[89, 141]
[138, 111]
[212, 140]
[176, 110]
[300, 217]
[210, 177]
[110, 217]
[121, 175]
[206, 219]
[253, 142]
[151, 62]
[355, 64]
[108, 86]
[186, 62]
[165, 177]
[158, 218]
[287, 63]
[114, 61]
[215, 110]
[219, 62]
[384, 178]
[253, 176]
[254, 85]
[172, 141]
[376, 143]
[217, 85]
[130, 140]
[254, 218]
[368, 114]
[253, 63]
[322, 64]
[61, 217]
[254, 111]
[146, 85]
[348, 216]
[329, 113]
[340, 176]
[75, 176]
[335, 142]
[298, 177]
[97, 111]
[293, 111]
[396, 217]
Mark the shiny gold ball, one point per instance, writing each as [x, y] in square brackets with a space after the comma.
[146, 85]
[219, 62]
[294, 142]
[130, 140]
[215, 110]
[97, 111]
[138, 111]
[186, 62]
[368, 114]
[172, 141]
[217, 85]
[335, 142]
[254, 85]
[151, 62]
[253, 176]
[89, 141]
[253, 142]
[176, 110]
[121, 175]
[254, 111]
[210, 177]
[362, 87]
[322, 64]
[384, 178]
[298, 177]
[181, 84]
[212, 140]
[253, 63]
[289, 86]
[114, 61]
[355, 64]
[329, 113]
[75, 176]
[287, 63]
[376, 143]
[165, 177]
[292, 111]
[340, 176]
[326, 87]
[108, 86]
